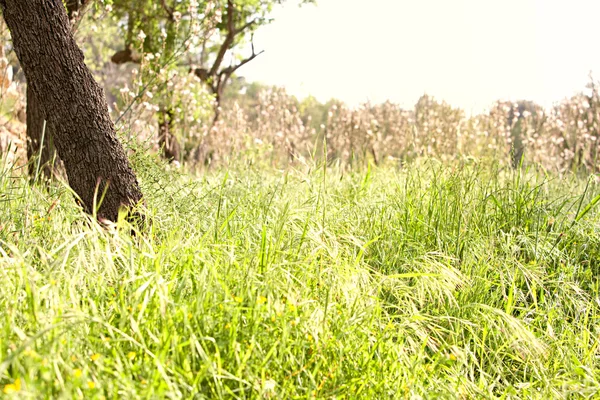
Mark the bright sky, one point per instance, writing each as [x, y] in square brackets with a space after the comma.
[467, 52]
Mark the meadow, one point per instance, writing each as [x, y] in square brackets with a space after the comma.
[294, 248]
[462, 279]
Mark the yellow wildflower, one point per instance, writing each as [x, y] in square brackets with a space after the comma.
[29, 353]
[12, 387]
[95, 357]
[261, 300]
[77, 373]
[91, 384]
[131, 355]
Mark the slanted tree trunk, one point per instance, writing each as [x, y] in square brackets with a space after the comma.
[48, 161]
[38, 138]
[73, 103]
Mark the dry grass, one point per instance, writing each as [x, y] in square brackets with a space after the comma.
[564, 138]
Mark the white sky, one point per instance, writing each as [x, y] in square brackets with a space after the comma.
[467, 52]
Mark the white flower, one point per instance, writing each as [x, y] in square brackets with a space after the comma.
[141, 35]
[270, 385]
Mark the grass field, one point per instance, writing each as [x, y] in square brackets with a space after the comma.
[421, 281]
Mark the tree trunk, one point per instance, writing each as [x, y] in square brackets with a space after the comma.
[166, 140]
[218, 98]
[39, 137]
[74, 104]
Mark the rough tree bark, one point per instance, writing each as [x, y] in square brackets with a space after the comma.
[73, 103]
[47, 159]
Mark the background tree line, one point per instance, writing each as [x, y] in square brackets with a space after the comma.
[172, 72]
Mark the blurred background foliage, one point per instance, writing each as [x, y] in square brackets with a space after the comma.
[173, 74]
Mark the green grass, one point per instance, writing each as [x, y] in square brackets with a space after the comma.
[426, 281]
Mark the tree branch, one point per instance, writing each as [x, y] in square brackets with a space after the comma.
[168, 10]
[232, 69]
[228, 39]
[246, 26]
